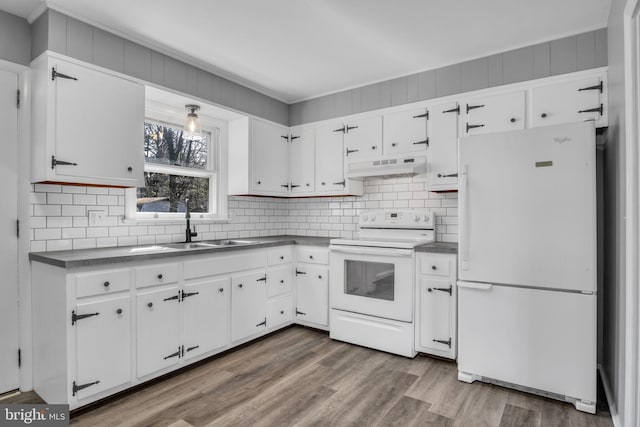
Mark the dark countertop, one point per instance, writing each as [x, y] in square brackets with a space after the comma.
[439, 248]
[104, 256]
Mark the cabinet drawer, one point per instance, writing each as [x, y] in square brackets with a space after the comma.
[315, 255]
[279, 311]
[102, 282]
[159, 274]
[435, 265]
[279, 281]
[280, 255]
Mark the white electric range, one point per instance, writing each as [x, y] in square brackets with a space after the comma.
[371, 280]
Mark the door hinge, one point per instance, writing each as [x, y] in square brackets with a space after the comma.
[19, 358]
[55, 74]
[190, 349]
[448, 290]
[596, 87]
[18, 228]
[188, 294]
[298, 312]
[55, 163]
[175, 297]
[447, 342]
[176, 354]
[264, 322]
[18, 99]
[299, 272]
[453, 110]
[426, 115]
[75, 317]
[76, 388]
[473, 107]
[343, 183]
[262, 279]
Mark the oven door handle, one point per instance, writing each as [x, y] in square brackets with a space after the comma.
[366, 250]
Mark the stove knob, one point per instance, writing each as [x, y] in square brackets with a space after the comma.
[416, 218]
[365, 218]
[425, 218]
[373, 218]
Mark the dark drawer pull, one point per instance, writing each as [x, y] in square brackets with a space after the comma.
[119, 311]
[160, 276]
[106, 284]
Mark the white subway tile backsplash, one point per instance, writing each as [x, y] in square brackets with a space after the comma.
[57, 224]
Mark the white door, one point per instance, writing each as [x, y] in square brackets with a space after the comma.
[436, 326]
[269, 157]
[302, 160]
[495, 113]
[329, 159]
[103, 346]
[443, 146]
[248, 305]
[312, 290]
[363, 138]
[374, 281]
[405, 131]
[99, 124]
[206, 308]
[540, 339]
[528, 207]
[568, 102]
[158, 329]
[9, 248]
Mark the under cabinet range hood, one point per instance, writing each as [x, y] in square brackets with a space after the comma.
[387, 166]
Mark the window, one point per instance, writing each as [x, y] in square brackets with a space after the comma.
[178, 170]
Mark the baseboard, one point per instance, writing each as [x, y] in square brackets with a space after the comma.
[607, 391]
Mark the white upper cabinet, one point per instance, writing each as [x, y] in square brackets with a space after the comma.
[569, 101]
[269, 157]
[405, 131]
[362, 138]
[302, 160]
[442, 155]
[329, 160]
[87, 127]
[494, 113]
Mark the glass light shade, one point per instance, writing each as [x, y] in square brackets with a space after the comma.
[192, 126]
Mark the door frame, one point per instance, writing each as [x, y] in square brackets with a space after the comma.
[631, 22]
[24, 188]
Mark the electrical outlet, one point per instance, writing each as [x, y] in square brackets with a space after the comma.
[97, 217]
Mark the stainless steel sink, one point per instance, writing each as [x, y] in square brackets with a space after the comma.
[233, 242]
[192, 245]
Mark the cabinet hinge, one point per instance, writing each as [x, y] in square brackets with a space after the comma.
[19, 358]
[18, 99]
[264, 322]
[76, 388]
[75, 317]
[18, 228]
[298, 312]
[447, 342]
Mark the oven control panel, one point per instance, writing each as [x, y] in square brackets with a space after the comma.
[404, 218]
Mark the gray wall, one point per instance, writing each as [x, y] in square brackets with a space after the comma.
[68, 36]
[15, 42]
[614, 210]
[575, 53]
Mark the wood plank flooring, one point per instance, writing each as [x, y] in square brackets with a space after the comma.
[299, 377]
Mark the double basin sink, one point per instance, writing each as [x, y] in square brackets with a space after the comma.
[193, 245]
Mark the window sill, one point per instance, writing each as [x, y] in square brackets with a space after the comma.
[194, 220]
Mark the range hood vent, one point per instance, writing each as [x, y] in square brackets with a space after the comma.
[387, 166]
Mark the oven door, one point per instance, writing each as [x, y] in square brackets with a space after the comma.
[373, 281]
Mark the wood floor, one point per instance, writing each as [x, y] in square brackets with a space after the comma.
[300, 377]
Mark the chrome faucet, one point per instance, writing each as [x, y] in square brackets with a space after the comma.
[188, 233]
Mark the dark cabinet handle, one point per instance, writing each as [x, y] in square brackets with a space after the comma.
[512, 120]
[433, 267]
[150, 305]
[281, 257]
[160, 276]
[543, 115]
[240, 285]
[429, 290]
[259, 182]
[393, 144]
[106, 284]
[310, 256]
[119, 311]
[373, 147]
[221, 290]
[281, 281]
[308, 185]
[319, 276]
[324, 183]
[281, 311]
[130, 169]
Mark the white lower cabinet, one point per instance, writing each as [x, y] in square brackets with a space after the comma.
[248, 305]
[103, 345]
[205, 321]
[98, 331]
[436, 304]
[312, 287]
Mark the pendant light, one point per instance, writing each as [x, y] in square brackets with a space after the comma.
[192, 126]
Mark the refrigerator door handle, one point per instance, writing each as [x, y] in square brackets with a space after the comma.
[474, 285]
[465, 232]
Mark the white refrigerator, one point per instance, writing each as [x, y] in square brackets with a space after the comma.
[527, 261]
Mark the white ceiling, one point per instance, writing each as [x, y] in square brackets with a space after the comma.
[299, 49]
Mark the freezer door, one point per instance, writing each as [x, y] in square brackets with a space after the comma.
[528, 207]
[540, 339]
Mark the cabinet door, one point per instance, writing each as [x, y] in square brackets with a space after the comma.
[279, 311]
[312, 287]
[269, 157]
[103, 345]
[99, 125]
[495, 113]
[302, 160]
[405, 131]
[329, 159]
[248, 305]
[205, 308]
[436, 313]
[363, 138]
[158, 342]
[442, 157]
[279, 281]
[568, 102]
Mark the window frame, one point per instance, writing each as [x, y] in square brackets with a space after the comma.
[216, 170]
